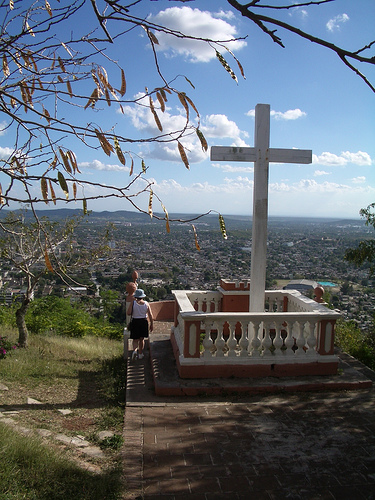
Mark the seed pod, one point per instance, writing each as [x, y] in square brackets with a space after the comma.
[222, 227]
[63, 184]
[184, 158]
[44, 189]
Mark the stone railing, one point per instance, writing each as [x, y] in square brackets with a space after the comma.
[294, 336]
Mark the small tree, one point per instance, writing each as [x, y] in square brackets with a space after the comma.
[365, 251]
[31, 245]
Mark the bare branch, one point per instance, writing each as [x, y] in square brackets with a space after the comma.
[47, 68]
[261, 21]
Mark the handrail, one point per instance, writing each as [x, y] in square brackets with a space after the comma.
[273, 316]
[295, 331]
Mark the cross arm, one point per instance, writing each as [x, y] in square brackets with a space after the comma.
[289, 155]
[274, 155]
[224, 153]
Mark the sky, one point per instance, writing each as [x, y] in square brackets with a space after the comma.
[316, 103]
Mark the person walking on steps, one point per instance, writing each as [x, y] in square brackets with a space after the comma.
[141, 314]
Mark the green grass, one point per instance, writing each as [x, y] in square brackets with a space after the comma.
[55, 356]
[86, 375]
[31, 470]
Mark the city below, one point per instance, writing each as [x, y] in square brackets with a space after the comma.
[194, 255]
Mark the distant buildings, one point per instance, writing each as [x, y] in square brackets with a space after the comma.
[299, 255]
[302, 286]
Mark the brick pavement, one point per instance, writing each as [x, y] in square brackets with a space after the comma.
[316, 445]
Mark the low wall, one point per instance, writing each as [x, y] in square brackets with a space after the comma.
[163, 310]
[237, 368]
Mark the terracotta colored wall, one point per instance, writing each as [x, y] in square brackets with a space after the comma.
[238, 301]
[163, 310]
[235, 303]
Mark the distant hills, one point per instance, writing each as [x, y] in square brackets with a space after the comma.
[241, 221]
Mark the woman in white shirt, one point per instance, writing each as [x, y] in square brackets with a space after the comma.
[140, 312]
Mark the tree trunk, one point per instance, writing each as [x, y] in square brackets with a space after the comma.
[21, 324]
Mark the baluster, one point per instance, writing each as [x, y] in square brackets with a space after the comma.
[301, 341]
[216, 304]
[220, 342]
[255, 341]
[278, 341]
[200, 303]
[311, 339]
[207, 341]
[289, 341]
[266, 342]
[232, 342]
[244, 341]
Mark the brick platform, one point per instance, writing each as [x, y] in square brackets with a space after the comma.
[301, 445]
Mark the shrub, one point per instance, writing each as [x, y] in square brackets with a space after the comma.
[57, 315]
[8, 315]
[359, 345]
[6, 347]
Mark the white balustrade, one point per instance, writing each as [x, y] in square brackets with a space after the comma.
[276, 335]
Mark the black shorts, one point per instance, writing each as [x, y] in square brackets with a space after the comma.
[139, 328]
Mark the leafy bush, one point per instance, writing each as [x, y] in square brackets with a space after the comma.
[359, 345]
[6, 347]
[8, 315]
[57, 315]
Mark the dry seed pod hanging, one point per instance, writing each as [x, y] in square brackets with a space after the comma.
[196, 238]
[184, 158]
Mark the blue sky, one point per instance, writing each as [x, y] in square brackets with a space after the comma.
[316, 103]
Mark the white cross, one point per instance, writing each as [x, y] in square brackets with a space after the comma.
[261, 154]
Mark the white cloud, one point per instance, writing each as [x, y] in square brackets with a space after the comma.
[98, 165]
[195, 23]
[321, 199]
[230, 186]
[143, 119]
[311, 186]
[299, 12]
[329, 159]
[291, 114]
[3, 126]
[318, 173]
[233, 169]
[212, 126]
[5, 153]
[360, 158]
[234, 196]
[359, 180]
[224, 14]
[336, 22]
[170, 152]
[221, 126]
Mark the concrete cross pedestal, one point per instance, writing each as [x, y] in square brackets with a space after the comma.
[261, 154]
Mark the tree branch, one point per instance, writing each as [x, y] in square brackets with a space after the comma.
[261, 21]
